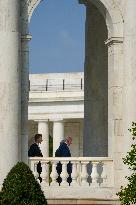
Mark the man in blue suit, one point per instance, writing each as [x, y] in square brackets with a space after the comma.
[34, 151]
[64, 151]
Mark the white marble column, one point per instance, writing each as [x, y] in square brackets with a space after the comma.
[43, 128]
[129, 98]
[25, 38]
[10, 103]
[115, 92]
[58, 133]
[25, 96]
[115, 106]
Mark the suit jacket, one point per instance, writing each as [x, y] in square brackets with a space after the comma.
[34, 151]
[63, 151]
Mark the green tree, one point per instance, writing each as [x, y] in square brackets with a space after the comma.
[21, 188]
[127, 195]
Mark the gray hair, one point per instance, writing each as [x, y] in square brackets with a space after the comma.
[62, 141]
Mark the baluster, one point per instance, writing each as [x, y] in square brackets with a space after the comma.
[64, 175]
[104, 175]
[35, 173]
[94, 175]
[84, 174]
[32, 166]
[54, 174]
[74, 174]
[45, 174]
[79, 173]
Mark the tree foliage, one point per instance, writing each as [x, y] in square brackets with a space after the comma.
[21, 188]
[127, 194]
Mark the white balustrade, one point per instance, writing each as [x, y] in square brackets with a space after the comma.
[100, 178]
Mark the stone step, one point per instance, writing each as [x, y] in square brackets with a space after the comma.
[82, 201]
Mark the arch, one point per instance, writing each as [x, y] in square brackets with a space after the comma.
[32, 5]
[109, 9]
[113, 16]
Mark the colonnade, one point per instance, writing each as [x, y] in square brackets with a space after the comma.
[58, 134]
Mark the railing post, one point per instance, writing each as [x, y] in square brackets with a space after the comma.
[104, 175]
[47, 85]
[84, 174]
[74, 174]
[94, 174]
[81, 83]
[54, 174]
[45, 174]
[63, 84]
[79, 166]
[64, 174]
[34, 170]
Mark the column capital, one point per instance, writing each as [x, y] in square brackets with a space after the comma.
[26, 37]
[113, 40]
[56, 119]
[41, 120]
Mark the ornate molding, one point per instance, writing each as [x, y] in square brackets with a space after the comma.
[113, 41]
[26, 37]
[32, 4]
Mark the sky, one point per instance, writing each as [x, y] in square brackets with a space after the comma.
[58, 42]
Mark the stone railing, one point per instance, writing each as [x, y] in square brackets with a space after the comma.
[61, 85]
[94, 173]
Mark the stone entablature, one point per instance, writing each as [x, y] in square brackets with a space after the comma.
[56, 102]
[57, 82]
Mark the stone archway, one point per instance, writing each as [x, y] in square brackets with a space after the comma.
[11, 82]
[104, 122]
[109, 9]
[113, 20]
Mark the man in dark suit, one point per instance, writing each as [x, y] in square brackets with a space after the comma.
[64, 151]
[34, 151]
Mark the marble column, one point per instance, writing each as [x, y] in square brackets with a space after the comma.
[115, 106]
[10, 103]
[95, 142]
[115, 87]
[25, 38]
[129, 98]
[43, 128]
[58, 133]
[25, 96]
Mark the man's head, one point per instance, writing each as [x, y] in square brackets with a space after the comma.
[69, 140]
[38, 138]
